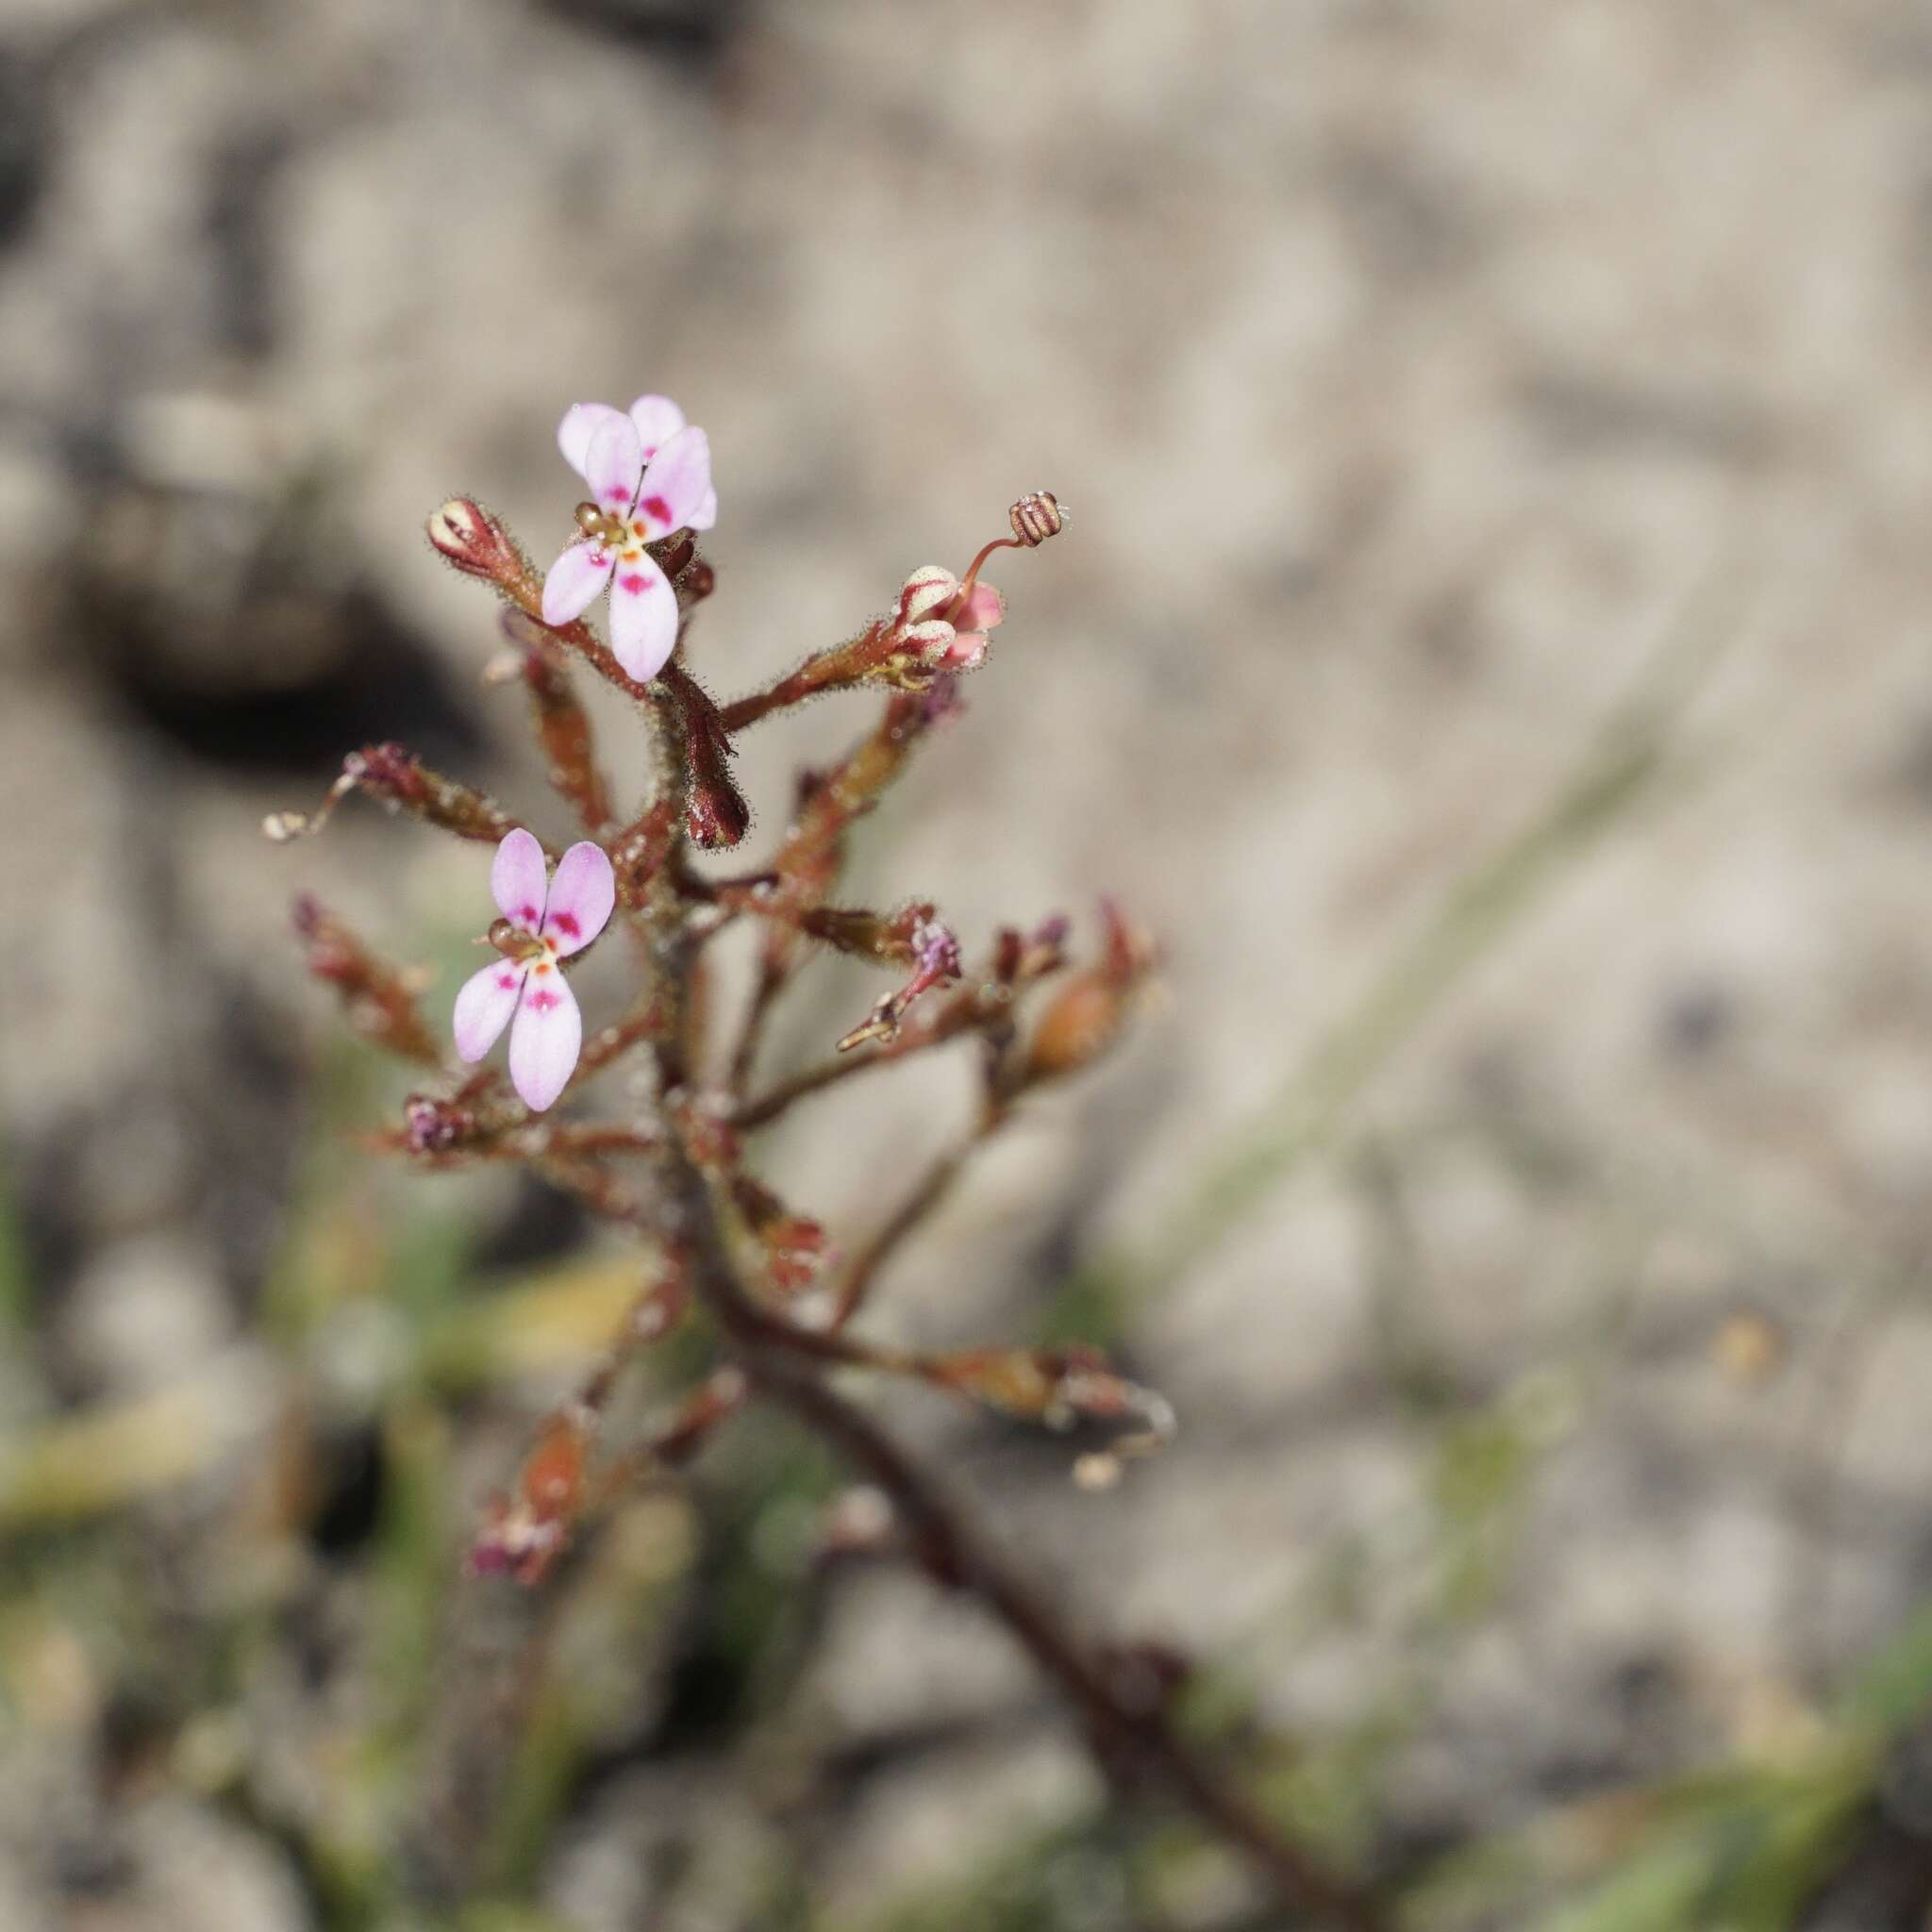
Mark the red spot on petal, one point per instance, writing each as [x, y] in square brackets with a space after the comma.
[509, 982]
[542, 1002]
[656, 507]
[528, 914]
[566, 922]
[635, 582]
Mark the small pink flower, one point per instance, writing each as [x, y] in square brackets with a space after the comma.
[943, 637]
[649, 474]
[560, 916]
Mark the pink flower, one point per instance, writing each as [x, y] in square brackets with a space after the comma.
[649, 475]
[557, 917]
[941, 638]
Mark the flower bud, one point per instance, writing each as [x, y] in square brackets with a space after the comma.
[1086, 1015]
[716, 814]
[1079, 1025]
[379, 1001]
[469, 536]
[893, 938]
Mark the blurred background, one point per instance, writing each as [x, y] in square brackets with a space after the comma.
[1490, 650]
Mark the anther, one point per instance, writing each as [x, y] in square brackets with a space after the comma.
[597, 526]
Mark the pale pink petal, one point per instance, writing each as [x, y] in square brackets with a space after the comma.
[614, 463]
[658, 420]
[644, 617]
[517, 881]
[581, 896]
[581, 422]
[573, 582]
[676, 484]
[484, 1006]
[965, 653]
[706, 514]
[984, 608]
[547, 1038]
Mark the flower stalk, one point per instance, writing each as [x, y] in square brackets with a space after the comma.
[672, 1166]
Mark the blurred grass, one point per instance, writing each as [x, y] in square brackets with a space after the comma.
[1615, 772]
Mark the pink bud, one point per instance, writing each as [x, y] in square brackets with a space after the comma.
[465, 533]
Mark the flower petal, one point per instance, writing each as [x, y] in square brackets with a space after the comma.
[581, 422]
[644, 617]
[484, 1006]
[614, 463]
[658, 420]
[517, 881]
[984, 608]
[706, 514]
[573, 582]
[547, 1038]
[677, 485]
[581, 896]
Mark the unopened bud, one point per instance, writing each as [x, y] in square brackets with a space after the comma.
[1079, 1025]
[896, 937]
[1086, 1015]
[716, 813]
[379, 1001]
[470, 537]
